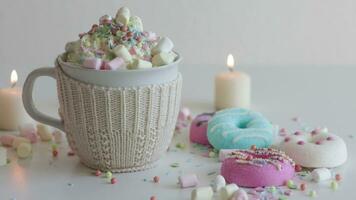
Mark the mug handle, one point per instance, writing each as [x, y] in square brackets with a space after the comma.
[27, 97]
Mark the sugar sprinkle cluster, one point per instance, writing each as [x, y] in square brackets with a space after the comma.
[261, 156]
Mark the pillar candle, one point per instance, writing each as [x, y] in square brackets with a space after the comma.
[12, 112]
[232, 88]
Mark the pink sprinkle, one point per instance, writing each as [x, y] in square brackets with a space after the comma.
[287, 192]
[282, 134]
[104, 66]
[318, 142]
[249, 157]
[298, 133]
[133, 51]
[259, 189]
[329, 138]
[286, 139]
[300, 142]
[296, 119]
[70, 153]
[282, 130]
[315, 131]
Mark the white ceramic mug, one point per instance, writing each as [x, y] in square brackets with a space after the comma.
[114, 120]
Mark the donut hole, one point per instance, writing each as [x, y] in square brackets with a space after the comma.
[242, 125]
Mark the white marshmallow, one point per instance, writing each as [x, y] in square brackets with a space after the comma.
[227, 191]
[219, 182]
[164, 45]
[24, 150]
[58, 136]
[140, 64]
[122, 52]
[321, 174]
[240, 194]
[123, 16]
[136, 23]
[44, 132]
[3, 156]
[202, 193]
[162, 58]
[19, 140]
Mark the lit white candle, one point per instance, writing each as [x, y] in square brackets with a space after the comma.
[12, 112]
[232, 88]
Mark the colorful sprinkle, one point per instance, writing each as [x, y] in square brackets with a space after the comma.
[329, 138]
[300, 142]
[312, 193]
[253, 147]
[334, 185]
[287, 192]
[298, 168]
[108, 175]
[153, 198]
[174, 165]
[291, 184]
[180, 145]
[286, 139]
[298, 133]
[55, 153]
[302, 187]
[282, 130]
[212, 154]
[70, 153]
[156, 179]
[113, 180]
[338, 177]
[97, 173]
[315, 132]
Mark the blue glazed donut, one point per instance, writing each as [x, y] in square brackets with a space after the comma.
[239, 128]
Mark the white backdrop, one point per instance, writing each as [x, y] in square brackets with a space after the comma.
[260, 32]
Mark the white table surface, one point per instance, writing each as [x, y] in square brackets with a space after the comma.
[320, 96]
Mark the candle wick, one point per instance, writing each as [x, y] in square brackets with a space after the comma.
[231, 69]
[13, 85]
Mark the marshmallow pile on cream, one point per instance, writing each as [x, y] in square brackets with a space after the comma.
[120, 43]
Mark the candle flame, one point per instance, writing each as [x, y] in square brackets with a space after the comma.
[230, 61]
[13, 78]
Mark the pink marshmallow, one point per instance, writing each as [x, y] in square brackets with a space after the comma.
[184, 114]
[189, 180]
[116, 64]
[7, 140]
[92, 63]
[151, 36]
[28, 131]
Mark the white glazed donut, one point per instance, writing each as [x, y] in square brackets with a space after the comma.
[316, 149]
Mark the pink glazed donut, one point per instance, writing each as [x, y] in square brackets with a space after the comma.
[199, 127]
[258, 168]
